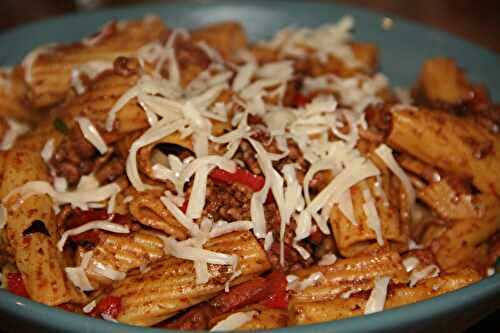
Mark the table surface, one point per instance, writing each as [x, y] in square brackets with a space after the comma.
[476, 21]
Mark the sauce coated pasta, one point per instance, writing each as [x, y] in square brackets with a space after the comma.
[180, 179]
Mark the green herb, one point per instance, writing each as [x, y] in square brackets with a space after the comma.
[61, 126]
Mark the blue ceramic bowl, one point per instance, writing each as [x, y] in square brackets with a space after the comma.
[403, 49]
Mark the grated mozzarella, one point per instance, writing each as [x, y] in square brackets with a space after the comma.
[60, 184]
[30, 60]
[16, 129]
[301, 250]
[77, 275]
[292, 282]
[410, 263]
[412, 245]
[99, 224]
[89, 307]
[222, 227]
[108, 317]
[3, 217]
[173, 248]
[212, 53]
[376, 301]
[327, 259]
[244, 76]
[87, 183]
[48, 150]
[107, 272]
[268, 241]
[91, 69]
[155, 133]
[372, 218]
[234, 321]
[75, 198]
[427, 272]
[179, 215]
[311, 280]
[91, 134]
[358, 168]
[385, 153]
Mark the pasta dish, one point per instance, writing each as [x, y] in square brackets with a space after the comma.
[160, 177]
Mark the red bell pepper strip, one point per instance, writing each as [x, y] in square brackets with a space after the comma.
[109, 305]
[301, 100]
[15, 284]
[277, 295]
[240, 176]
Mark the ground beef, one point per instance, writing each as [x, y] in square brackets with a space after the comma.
[74, 157]
[110, 170]
[229, 202]
[293, 260]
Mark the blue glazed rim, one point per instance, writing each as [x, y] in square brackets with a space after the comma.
[480, 62]
[408, 315]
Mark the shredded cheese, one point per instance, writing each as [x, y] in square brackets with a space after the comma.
[75, 198]
[385, 153]
[268, 241]
[427, 272]
[173, 248]
[16, 129]
[48, 150]
[327, 259]
[92, 135]
[77, 275]
[3, 216]
[89, 307]
[372, 218]
[410, 263]
[376, 301]
[107, 271]
[99, 224]
[234, 321]
[311, 280]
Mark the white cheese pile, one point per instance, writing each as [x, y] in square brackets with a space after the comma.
[326, 40]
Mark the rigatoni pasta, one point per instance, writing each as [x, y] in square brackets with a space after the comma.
[180, 179]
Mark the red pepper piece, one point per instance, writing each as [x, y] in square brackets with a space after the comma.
[249, 292]
[184, 206]
[277, 295]
[79, 217]
[240, 176]
[109, 305]
[301, 100]
[15, 284]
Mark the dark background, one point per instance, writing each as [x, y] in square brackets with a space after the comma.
[475, 20]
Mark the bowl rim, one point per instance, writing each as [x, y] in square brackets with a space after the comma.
[38, 313]
[488, 288]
